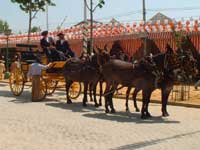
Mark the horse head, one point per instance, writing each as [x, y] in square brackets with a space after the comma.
[168, 63]
[189, 69]
[102, 56]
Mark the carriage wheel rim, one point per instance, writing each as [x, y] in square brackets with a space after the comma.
[73, 92]
[16, 83]
[51, 86]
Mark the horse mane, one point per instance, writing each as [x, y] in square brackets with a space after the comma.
[159, 58]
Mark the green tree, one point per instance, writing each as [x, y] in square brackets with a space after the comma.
[3, 26]
[35, 29]
[32, 7]
[92, 9]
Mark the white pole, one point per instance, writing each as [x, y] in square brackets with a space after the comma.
[85, 28]
[144, 19]
[47, 18]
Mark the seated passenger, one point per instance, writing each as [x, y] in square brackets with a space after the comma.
[63, 46]
[55, 54]
[45, 44]
[116, 50]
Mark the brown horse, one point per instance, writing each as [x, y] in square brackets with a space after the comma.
[188, 70]
[119, 72]
[121, 56]
[86, 71]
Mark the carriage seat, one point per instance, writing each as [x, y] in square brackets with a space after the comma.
[56, 67]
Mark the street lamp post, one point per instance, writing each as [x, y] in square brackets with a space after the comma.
[144, 19]
[7, 33]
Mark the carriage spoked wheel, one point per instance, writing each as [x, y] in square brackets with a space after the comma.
[43, 89]
[51, 86]
[75, 90]
[16, 82]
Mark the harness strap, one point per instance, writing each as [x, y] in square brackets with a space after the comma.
[111, 91]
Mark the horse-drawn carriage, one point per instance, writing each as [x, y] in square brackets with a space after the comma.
[51, 78]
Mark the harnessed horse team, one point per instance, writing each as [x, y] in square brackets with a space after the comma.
[160, 71]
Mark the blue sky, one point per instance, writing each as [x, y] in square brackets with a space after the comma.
[123, 10]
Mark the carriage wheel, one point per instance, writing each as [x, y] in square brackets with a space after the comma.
[75, 90]
[43, 89]
[51, 86]
[16, 82]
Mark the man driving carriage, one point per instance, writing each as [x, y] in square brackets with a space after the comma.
[55, 52]
[63, 46]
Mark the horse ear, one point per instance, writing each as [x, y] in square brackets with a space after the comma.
[98, 51]
[106, 47]
[95, 50]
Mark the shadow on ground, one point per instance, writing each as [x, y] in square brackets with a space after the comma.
[75, 106]
[1, 84]
[25, 97]
[129, 117]
[143, 144]
[100, 114]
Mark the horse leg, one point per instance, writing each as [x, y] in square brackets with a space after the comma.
[165, 95]
[94, 92]
[90, 90]
[135, 100]
[100, 93]
[67, 85]
[85, 93]
[148, 115]
[111, 98]
[106, 97]
[146, 94]
[127, 97]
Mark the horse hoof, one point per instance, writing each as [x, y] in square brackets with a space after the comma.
[107, 111]
[165, 114]
[143, 117]
[113, 111]
[96, 105]
[148, 115]
[69, 102]
[127, 110]
[137, 110]
[84, 105]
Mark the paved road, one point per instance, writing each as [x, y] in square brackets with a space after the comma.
[53, 125]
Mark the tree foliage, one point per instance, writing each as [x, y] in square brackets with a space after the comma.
[92, 9]
[100, 4]
[32, 7]
[3, 26]
[35, 29]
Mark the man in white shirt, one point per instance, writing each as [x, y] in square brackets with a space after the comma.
[35, 74]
